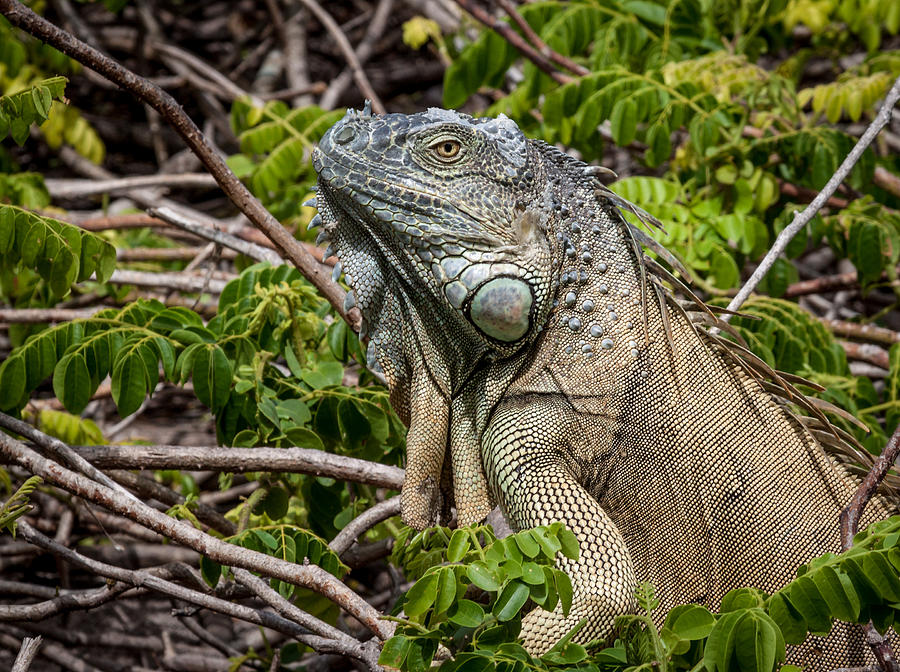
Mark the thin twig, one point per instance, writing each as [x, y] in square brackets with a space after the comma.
[850, 517]
[802, 219]
[150, 579]
[78, 188]
[62, 450]
[347, 51]
[183, 282]
[41, 315]
[69, 601]
[365, 521]
[252, 250]
[853, 512]
[171, 111]
[507, 33]
[10, 638]
[366, 46]
[510, 8]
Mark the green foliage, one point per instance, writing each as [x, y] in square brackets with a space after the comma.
[69, 428]
[17, 505]
[286, 542]
[61, 254]
[276, 142]
[509, 571]
[264, 314]
[31, 106]
[749, 634]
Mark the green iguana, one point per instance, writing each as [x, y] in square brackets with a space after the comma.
[542, 365]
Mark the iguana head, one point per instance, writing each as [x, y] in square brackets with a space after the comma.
[430, 215]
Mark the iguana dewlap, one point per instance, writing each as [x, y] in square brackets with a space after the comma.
[541, 365]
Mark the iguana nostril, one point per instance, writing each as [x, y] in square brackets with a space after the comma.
[344, 135]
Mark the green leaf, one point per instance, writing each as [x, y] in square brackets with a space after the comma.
[275, 503]
[758, 642]
[569, 542]
[210, 571]
[690, 621]
[72, 382]
[623, 121]
[394, 652]
[460, 542]
[129, 383]
[467, 614]
[483, 577]
[421, 596]
[510, 601]
[446, 590]
[12, 382]
[212, 374]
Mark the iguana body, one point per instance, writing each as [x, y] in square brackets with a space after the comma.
[543, 368]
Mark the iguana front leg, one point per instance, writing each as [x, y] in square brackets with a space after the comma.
[531, 470]
[443, 463]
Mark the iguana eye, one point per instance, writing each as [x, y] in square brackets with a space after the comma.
[446, 149]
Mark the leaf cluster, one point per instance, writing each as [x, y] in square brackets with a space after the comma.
[470, 593]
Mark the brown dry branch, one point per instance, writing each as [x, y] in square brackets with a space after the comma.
[867, 352]
[862, 332]
[347, 52]
[510, 8]
[25, 19]
[507, 33]
[243, 460]
[309, 576]
[364, 521]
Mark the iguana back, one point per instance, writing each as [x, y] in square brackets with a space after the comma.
[528, 341]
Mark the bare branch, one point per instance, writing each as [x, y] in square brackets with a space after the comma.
[78, 188]
[30, 646]
[243, 460]
[252, 250]
[366, 520]
[306, 576]
[507, 33]
[802, 219]
[862, 332]
[183, 282]
[510, 8]
[373, 33]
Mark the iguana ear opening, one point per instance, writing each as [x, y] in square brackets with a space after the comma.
[501, 308]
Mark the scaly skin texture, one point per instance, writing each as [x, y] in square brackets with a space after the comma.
[542, 367]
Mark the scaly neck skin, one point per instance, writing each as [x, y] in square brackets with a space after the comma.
[597, 331]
